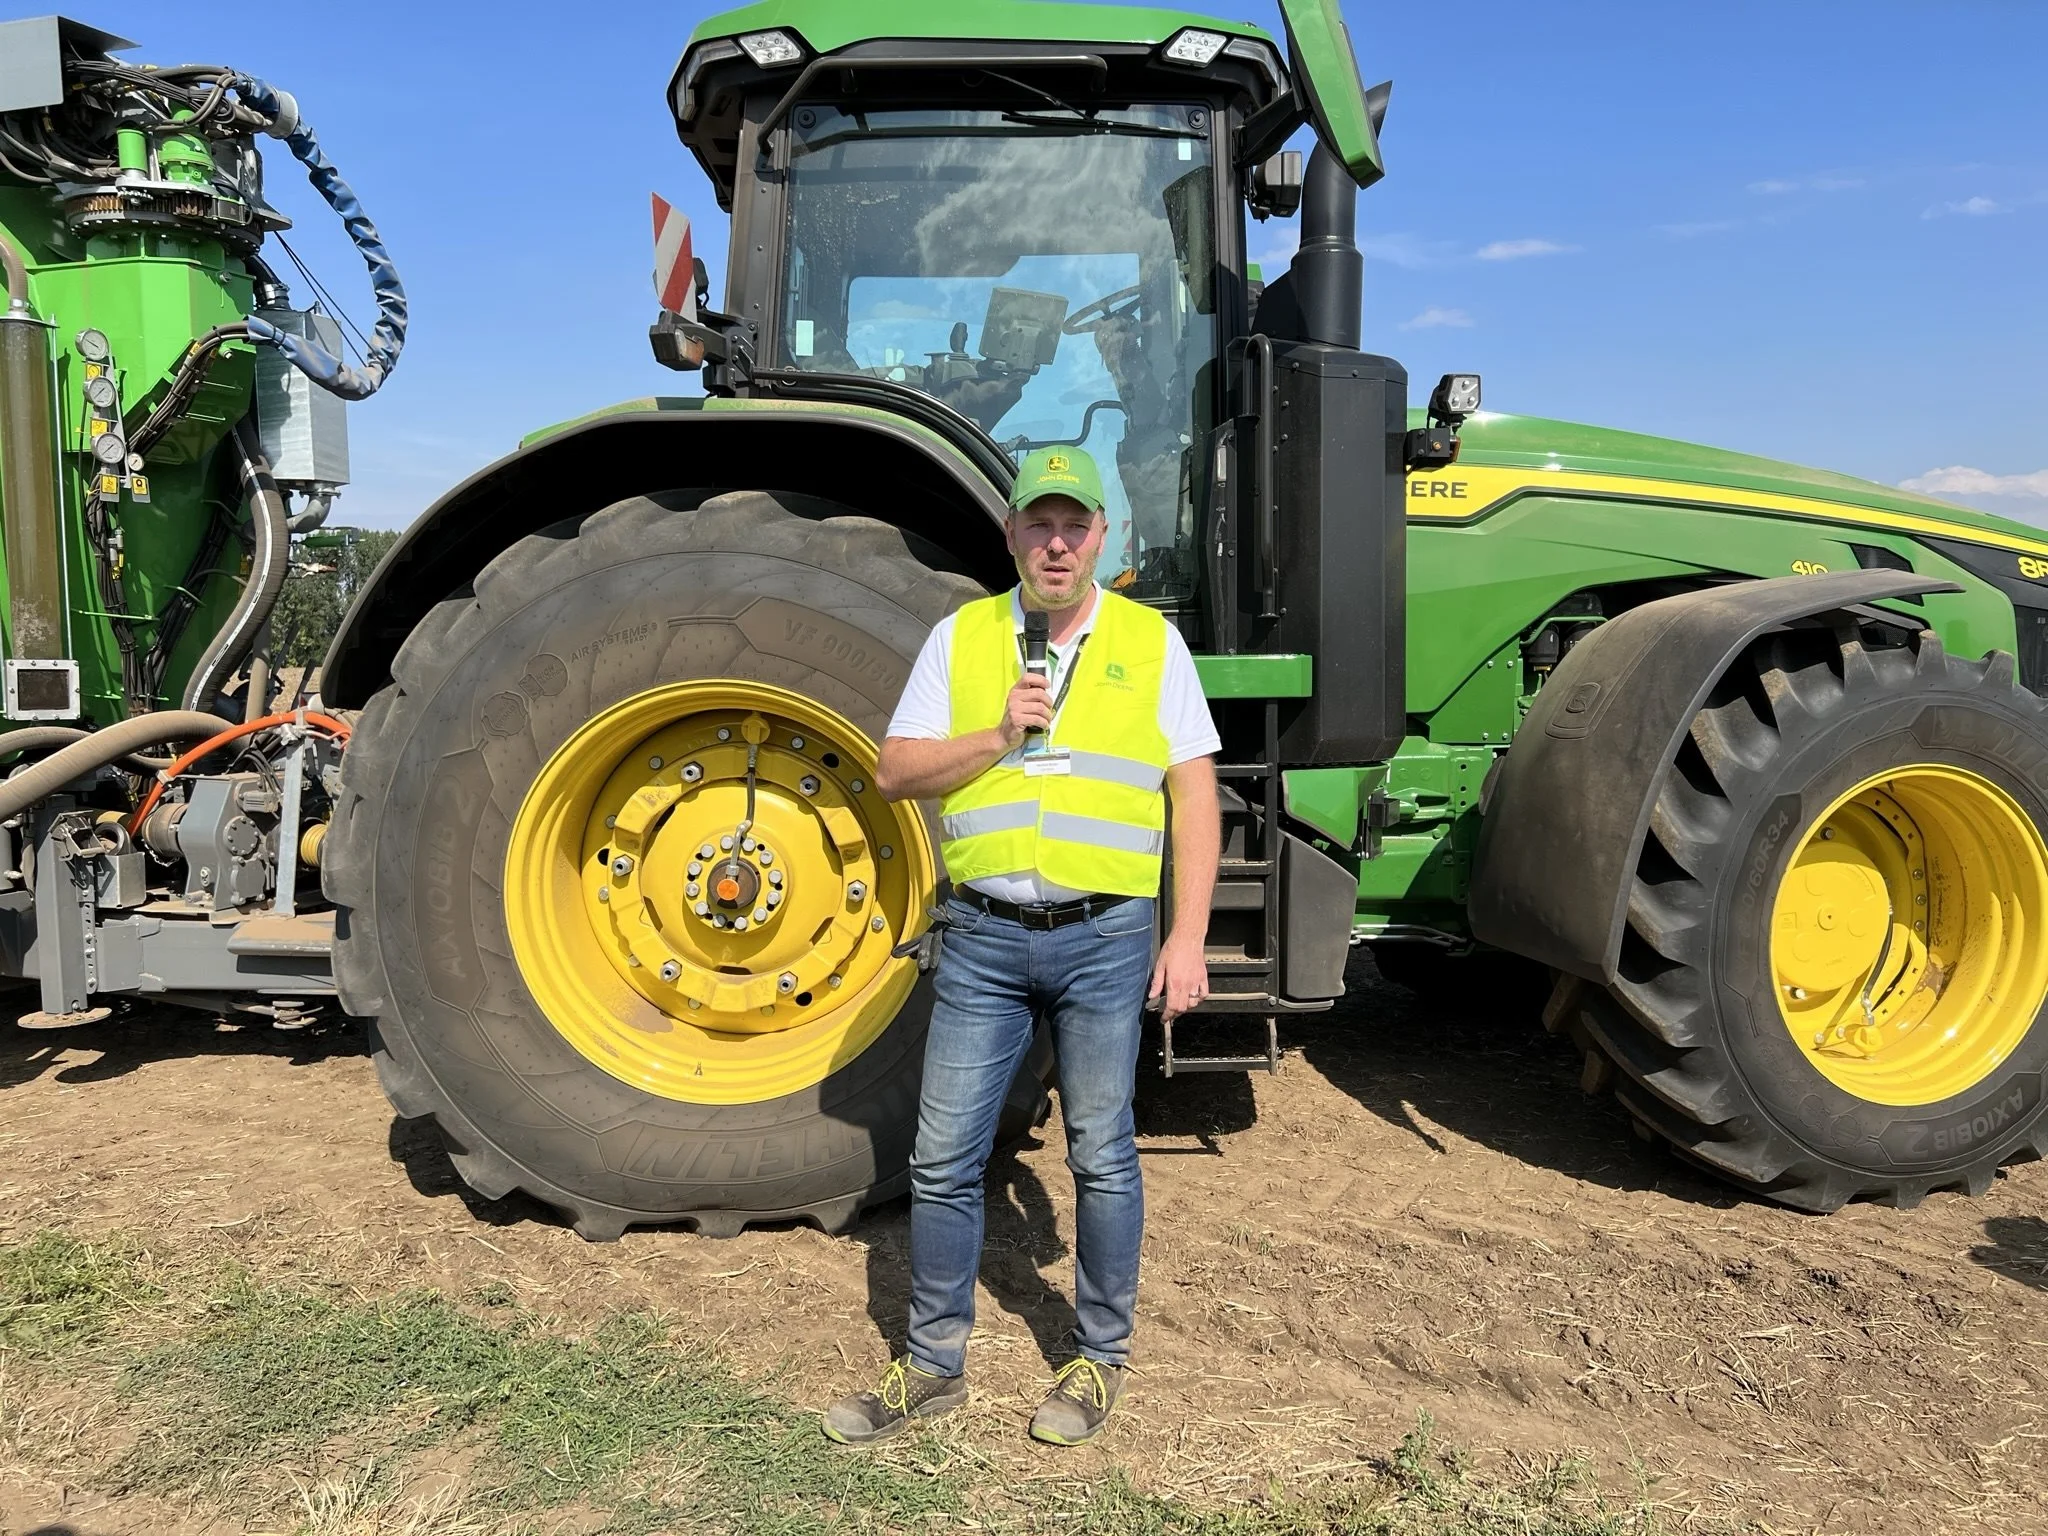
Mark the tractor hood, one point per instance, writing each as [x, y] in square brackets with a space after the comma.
[1573, 458]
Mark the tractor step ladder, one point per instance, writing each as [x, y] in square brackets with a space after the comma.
[1244, 975]
[1269, 1062]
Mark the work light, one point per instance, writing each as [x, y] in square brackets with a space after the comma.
[1456, 397]
[771, 50]
[1194, 47]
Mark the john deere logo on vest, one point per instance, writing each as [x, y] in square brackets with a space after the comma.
[1058, 464]
[1115, 673]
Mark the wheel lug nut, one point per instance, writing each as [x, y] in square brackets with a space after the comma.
[786, 983]
[796, 743]
[739, 925]
[706, 851]
[857, 891]
[835, 982]
[725, 733]
[622, 866]
[604, 893]
[888, 852]
[774, 899]
[611, 821]
[718, 920]
[767, 857]
[760, 916]
[725, 842]
[876, 925]
[808, 784]
[696, 868]
[748, 845]
[670, 970]
[702, 909]
[775, 878]
[692, 772]
[693, 890]
[654, 763]
[857, 786]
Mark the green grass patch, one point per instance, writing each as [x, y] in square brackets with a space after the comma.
[606, 1419]
[57, 1291]
[236, 1394]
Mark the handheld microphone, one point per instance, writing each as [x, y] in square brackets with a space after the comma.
[1036, 628]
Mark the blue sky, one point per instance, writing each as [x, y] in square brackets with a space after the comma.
[1812, 228]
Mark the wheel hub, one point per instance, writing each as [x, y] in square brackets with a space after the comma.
[1909, 936]
[703, 889]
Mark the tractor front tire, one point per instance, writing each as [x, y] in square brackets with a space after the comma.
[605, 990]
[1834, 966]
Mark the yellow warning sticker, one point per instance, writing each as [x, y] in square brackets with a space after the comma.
[110, 485]
[138, 487]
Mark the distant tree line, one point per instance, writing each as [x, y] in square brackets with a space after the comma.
[329, 567]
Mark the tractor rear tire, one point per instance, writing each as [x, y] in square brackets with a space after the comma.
[1835, 959]
[747, 599]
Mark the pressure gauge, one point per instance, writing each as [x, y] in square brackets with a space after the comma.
[109, 449]
[92, 346]
[102, 393]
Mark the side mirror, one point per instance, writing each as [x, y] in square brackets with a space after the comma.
[1327, 79]
[1276, 186]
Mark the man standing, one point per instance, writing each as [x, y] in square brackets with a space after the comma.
[1054, 793]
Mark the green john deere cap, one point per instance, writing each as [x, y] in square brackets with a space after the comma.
[1058, 472]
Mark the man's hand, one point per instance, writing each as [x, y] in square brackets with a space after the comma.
[1181, 977]
[1029, 708]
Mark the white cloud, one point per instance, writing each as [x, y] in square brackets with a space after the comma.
[1403, 249]
[1962, 480]
[1517, 250]
[1695, 229]
[1436, 317]
[1969, 207]
[1826, 181]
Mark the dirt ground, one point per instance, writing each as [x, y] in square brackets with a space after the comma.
[1420, 1212]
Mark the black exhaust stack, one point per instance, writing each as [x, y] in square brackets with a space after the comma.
[1328, 275]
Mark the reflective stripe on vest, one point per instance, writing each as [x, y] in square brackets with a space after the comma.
[1100, 826]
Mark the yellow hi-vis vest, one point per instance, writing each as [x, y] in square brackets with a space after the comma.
[1100, 826]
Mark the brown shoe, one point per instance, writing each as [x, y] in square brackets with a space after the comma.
[1081, 1397]
[905, 1393]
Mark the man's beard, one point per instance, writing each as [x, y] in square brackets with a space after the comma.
[1084, 578]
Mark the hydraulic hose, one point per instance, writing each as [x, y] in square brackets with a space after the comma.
[333, 726]
[99, 749]
[44, 738]
[271, 564]
[387, 339]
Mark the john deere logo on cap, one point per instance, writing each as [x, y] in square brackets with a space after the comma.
[1058, 464]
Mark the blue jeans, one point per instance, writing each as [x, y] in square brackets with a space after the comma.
[995, 979]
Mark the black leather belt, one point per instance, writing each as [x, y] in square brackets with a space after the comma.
[1040, 916]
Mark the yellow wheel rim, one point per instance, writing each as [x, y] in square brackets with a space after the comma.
[683, 955]
[1909, 937]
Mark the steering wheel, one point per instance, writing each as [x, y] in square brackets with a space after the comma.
[1102, 311]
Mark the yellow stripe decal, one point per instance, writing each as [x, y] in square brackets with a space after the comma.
[1465, 493]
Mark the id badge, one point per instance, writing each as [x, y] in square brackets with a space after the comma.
[1046, 764]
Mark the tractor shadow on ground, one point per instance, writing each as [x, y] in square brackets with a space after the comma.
[1482, 1068]
[139, 1034]
[416, 1146]
[2018, 1249]
[1022, 1256]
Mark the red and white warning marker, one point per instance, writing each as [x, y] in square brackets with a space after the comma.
[675, 268]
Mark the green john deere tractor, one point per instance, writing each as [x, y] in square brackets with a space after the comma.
[1748, 756]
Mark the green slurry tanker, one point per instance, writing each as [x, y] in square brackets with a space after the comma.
[1749, 756]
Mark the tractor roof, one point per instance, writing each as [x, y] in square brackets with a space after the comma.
[829, 25]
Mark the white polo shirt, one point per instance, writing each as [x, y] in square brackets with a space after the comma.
[925, 713]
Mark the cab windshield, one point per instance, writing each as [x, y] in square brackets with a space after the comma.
[1045, 274]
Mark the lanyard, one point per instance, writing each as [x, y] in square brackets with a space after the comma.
[1073, 665]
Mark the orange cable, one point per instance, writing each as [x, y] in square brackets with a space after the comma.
[247, 728]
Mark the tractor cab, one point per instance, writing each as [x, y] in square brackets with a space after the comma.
[1020, 243]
